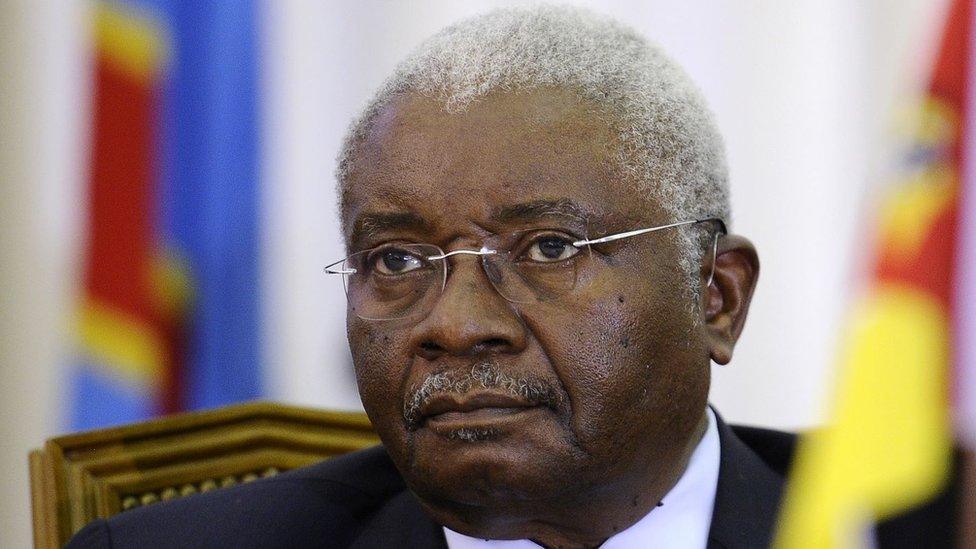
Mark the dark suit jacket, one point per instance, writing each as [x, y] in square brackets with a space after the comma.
[360, 501]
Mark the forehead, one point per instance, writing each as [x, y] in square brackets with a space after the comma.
[506, 149]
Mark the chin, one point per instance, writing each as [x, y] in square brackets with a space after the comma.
[482, 467]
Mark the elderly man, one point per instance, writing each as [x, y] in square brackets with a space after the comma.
[535, 209]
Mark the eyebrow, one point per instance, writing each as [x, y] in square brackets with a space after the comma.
[538, 210]
[369, 225]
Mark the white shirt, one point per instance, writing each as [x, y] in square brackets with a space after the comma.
[681, 523]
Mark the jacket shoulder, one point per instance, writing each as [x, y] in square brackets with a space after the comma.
[320, 505]
[774, 448]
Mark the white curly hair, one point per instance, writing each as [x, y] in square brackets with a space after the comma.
[670, 150]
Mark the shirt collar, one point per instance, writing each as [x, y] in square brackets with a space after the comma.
[682, 522]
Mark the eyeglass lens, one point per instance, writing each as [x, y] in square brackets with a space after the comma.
[400, 281]
[393, 281]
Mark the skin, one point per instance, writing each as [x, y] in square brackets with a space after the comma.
[626, 355]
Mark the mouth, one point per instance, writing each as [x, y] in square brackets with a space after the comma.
[480, 412]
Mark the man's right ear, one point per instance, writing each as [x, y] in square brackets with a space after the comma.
[726, 298]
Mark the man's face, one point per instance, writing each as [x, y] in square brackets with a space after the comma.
[619, 361]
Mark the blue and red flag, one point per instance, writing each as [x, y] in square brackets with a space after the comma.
[168, 316]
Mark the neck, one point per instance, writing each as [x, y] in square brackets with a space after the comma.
[582, 519]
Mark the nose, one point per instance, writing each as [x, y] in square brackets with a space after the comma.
[470, 318]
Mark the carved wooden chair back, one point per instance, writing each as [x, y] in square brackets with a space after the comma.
[78, 478]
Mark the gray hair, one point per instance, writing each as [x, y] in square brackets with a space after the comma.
[670, 146]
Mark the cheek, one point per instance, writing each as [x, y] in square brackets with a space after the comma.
[604, 375]
[380, 360]
[629, 359]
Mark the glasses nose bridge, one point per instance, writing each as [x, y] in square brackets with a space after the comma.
[449, 259]
[484, 250]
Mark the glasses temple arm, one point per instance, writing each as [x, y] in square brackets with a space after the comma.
[628, 234]
[333, 269]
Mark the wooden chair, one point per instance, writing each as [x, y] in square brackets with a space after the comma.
[78, 478]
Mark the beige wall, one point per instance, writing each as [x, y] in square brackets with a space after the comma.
[41, 87]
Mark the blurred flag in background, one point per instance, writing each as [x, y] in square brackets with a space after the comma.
[907, 354]
[168, 317]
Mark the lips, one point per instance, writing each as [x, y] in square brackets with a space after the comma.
[483, 398]
[476, 408]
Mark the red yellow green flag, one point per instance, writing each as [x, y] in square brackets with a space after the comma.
[887, 446]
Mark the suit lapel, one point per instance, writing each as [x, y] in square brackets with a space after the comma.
[747, 497]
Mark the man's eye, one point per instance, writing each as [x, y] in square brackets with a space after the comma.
[551, 249]
[394, 262]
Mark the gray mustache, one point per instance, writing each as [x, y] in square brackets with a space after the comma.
[486, 375]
